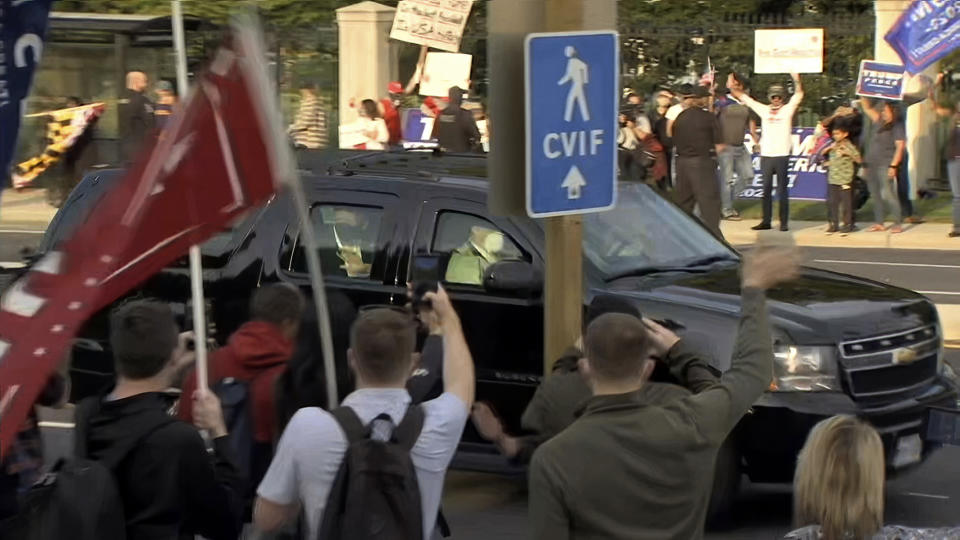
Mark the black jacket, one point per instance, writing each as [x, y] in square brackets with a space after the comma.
[456, 130]
[170, 485]
[136, 121]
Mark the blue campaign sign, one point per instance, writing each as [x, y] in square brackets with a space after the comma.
[926, 32]
[880, 80]
[806, 176]
[571, 103]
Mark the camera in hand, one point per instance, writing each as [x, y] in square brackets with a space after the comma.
[426, 274]
[420, 289]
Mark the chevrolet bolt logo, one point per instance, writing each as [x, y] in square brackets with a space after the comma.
[905, 355]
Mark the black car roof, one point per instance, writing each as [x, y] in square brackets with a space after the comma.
[468, 170]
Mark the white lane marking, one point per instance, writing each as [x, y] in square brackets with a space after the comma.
[926, 495]
[12, 265]
[19, 231]
[881, 263]
[941, 293]
[61, 425]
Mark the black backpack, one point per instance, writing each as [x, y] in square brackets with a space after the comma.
[375, 494]
[77, 499]
[235, 400]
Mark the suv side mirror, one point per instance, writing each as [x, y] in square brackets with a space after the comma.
[518, 277]
[29, 255]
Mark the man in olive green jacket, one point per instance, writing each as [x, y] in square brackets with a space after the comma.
[628, 469]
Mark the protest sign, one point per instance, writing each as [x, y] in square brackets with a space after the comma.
[443, 70]
[417, 127]
[880, 80]
[807, 180]
[436, 23]
[926, 32]
[352, 135]
[798, 50]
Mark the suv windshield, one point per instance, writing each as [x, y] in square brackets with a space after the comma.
[645, 233]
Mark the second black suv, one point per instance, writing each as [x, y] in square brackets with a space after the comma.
[842, 344]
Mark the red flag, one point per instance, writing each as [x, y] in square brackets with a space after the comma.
[219, 157]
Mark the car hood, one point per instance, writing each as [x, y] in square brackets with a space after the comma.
[818, 308]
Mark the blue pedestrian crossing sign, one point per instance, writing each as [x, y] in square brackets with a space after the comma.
[572, 93]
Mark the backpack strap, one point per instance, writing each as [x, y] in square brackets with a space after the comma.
[350, 424]
[407, 433]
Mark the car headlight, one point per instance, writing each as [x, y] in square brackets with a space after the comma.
[804, 369]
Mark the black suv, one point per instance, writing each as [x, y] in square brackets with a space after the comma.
[842, 344]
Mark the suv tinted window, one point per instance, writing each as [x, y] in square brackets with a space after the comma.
[346, 238]
[473, 243]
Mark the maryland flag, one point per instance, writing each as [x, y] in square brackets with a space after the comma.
[64, 127]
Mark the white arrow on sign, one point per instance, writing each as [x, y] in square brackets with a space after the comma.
[573, 183]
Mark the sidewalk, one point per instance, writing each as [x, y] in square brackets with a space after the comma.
[25, 210]
[811, 234]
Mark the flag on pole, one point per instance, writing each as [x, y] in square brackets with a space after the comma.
[709, 75]
[218, 158]
[924, 33]
[23, 26]
[64, 127]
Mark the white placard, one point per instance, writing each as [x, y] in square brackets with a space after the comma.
[794, 50]
[352, 135]
[443, 70]
[437, 23]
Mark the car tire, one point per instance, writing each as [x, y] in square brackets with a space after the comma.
[726, 486]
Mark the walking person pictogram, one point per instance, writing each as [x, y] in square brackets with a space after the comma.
[578, 75]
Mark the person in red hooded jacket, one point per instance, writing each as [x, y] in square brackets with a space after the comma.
[257, 354]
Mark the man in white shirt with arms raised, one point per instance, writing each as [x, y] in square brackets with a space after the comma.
[776, 142]
[313, 445]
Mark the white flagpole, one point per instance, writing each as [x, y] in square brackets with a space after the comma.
[284, 165]
[196, 268]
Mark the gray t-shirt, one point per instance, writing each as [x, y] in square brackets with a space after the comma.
[883, 144]
[734, 120]
[312, 447]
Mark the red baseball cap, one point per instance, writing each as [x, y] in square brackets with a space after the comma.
[395, 88]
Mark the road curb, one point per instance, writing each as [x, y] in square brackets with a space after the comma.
[950, 323]
[931, 236]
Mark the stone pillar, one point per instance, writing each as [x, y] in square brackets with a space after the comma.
[921, 118]
[368, 61]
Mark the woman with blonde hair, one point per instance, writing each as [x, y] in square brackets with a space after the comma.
[838, 486]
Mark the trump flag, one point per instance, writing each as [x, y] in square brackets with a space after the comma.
[220, 157]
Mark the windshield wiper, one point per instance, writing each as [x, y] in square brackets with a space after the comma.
[646, 270]
[695, 266]
[712, 259]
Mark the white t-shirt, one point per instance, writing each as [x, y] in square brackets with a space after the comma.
[312, 447]
[674, 111]
[776, 137]
[383, 136]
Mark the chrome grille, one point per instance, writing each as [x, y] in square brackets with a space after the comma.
[884, 366]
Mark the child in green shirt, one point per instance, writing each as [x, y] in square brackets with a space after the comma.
[842, 160]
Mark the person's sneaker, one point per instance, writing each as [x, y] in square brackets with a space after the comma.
[953, 234]
[732, 216]
[761, 227]
[831, 229]
[914, 219]
[876, 228]
[784, 228]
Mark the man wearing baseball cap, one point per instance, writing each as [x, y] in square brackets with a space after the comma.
[697, 141]
[776, 126]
